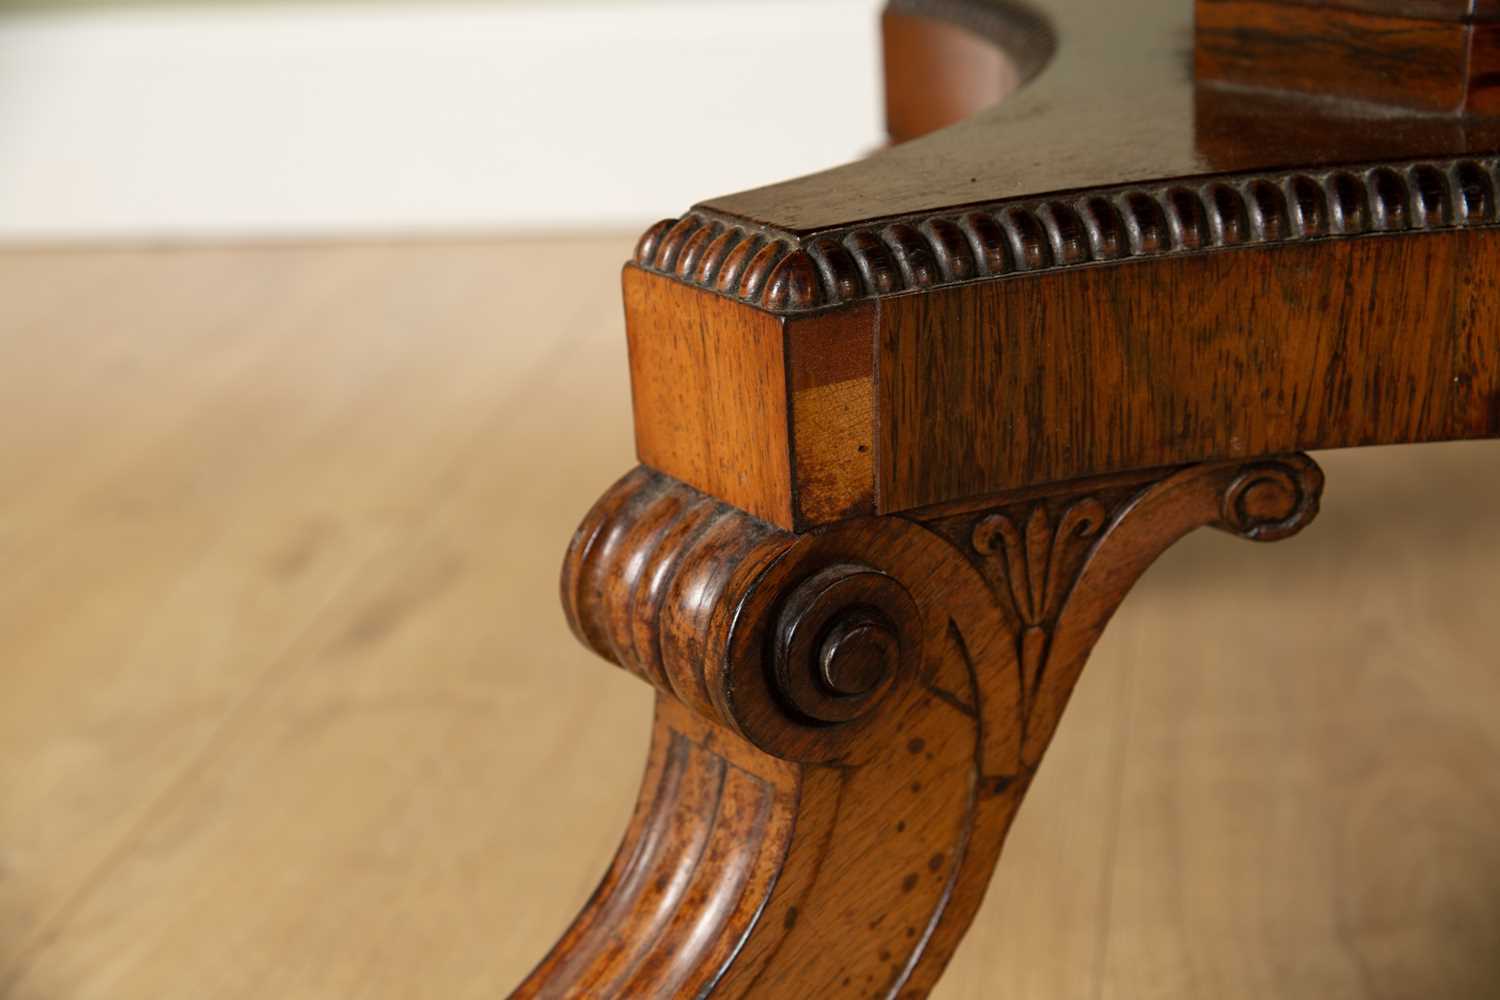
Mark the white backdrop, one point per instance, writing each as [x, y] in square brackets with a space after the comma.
[347, 118]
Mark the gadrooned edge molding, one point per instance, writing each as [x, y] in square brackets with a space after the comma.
[786, 273]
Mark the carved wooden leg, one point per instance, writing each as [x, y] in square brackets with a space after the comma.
[849, 718]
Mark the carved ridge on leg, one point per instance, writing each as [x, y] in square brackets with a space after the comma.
[705, 844]
[849, 718]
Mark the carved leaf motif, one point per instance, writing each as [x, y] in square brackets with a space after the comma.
[1040, 568]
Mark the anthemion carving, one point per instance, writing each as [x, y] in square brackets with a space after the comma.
[1038, 560]
[785, 272]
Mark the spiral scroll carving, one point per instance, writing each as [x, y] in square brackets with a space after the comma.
[1269, 501]
[750, 626]
[839, 641]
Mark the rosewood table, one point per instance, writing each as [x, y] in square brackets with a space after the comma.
[911, 428]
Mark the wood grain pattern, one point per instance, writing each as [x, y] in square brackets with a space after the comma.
[1076, 371]
[1320, 346]
[1484, 69]
[1442, 10]
[889, 703]
[775, 414]
[831, 364]
[1441, 65]
[697, 362]
[259, 603]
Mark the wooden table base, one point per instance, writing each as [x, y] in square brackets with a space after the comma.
[912, 427]
[849, 719]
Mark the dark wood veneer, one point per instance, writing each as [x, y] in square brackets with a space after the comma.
[1449, 10]
[1215, 356]
[1441, 64]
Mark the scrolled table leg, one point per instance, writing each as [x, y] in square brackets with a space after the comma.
[848, 719]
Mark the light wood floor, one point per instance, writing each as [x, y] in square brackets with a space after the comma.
[288, 710]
